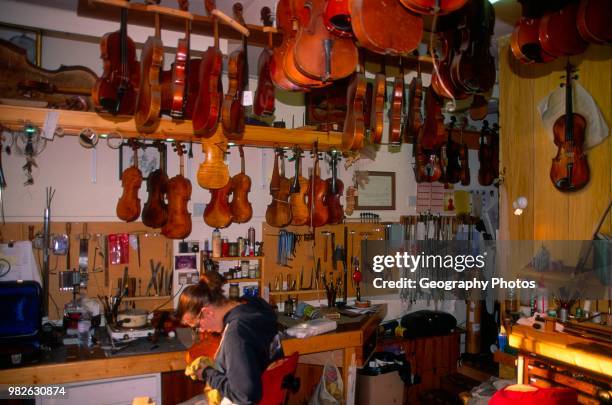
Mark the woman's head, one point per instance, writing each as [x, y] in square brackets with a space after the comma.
[198, 303]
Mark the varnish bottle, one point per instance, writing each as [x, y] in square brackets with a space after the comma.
[216, 243]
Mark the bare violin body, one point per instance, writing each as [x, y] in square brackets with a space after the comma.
[334, 206]
[300, 212]
[232, 110]
[178, 225]
[155, 210]
[128, 206]
[148, 104]
[354, 123]
[207, 107]
[278, 212]
[264, 95]
[218, 213]
[240, 207]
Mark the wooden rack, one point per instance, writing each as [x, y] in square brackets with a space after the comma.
[73, 122]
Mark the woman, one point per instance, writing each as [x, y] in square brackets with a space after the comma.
[248, 328]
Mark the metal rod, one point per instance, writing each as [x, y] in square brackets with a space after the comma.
[46, 243]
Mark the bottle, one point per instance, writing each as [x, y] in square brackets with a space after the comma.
[234, 291]
[84, 326]
[216, 243]
[502, 339]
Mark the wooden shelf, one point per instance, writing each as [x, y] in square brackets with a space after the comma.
[242, 280]
[171, 19]
[146, 298]
[230, 258]
[73, 122]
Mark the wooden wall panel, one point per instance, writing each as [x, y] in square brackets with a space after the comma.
[526, 150]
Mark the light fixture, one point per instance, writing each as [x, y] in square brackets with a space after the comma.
[519, 205]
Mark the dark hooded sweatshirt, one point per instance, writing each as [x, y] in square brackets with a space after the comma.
[244, 353]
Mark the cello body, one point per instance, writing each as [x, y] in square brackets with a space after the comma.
[155, 209]
[218, 213]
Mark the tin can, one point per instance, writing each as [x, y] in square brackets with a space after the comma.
[241, 246]
[251, 236]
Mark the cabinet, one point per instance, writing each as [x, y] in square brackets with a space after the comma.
[226, 263]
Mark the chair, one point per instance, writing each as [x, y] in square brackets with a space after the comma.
[278, 379]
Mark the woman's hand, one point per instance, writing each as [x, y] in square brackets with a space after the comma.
[195, 369]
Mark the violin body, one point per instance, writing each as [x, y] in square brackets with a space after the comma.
[525, 39]
[278, 212]
[428, 6]
[300, 211]
[263, 104]
[415, 117]
[179, 78]
[148, 104]
[335, 208]
[317, 53]
[378, 107]
[464, 174]
[354, 125]
[207, 107]
[178, 225]
[559, 34]
[155, 209]
[319, 212]
[594, 21]
[213, 173]
[452, 171]
[128, 206]
[116, 90]
[240, 207]
[397, 104]
[218, 213]
[192, 87]
[337, 18]
[433, 127]
[385, 27]
[207, 346]
[427, 166]
[570, 169]
[232, 111]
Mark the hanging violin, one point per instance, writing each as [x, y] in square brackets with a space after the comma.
[278, 212]
[128, 206]
[263, 104]
[464, 173]
[148, 103]
[354, 122]
[218, 213]
[379, 95]
[241, 208]
[569, 170]
[335, 188]
[486, 176]
[155, 209]
[319, 211]
[178, 225]
[300, 190]
[397, 106]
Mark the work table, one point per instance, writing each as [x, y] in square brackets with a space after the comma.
[83, 365]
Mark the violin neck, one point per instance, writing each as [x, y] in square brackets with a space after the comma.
[569, 110]
[181, 165]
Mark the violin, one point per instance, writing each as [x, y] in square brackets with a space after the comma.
[397, 106]
[559, 35]
[218, 213]
[128, 206]
[232, 110]
[319, 211]
[427, 166]
[240, 207]
[278, 212]
[155, 209]
[464, 173]
[180, 73]
[593, 21]
[385, 29]
[116, 90]
[570, 169]
[525, 39]
[207, 105]
[335, 188]
[486, 175]
[379, 96]
[433, 6]
[433, 125]
[441, 80]
[206, 345]
[354, 122]
[317, 53]
[337, 18]
[263, 104]
[415, 118]
[300, 187]
[452, 167]
[178, 225]
[148, 103]
[213, 173]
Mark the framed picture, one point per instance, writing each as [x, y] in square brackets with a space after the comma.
[151, 156]
[378, 193]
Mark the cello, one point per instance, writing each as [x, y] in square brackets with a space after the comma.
[570, 169]
[128, 206]
[232, 110]
[116, 90]
[593, 21]
[178, 225]
[207, 105]
[335, 188]
[155, 209]
[241, 208]
[263, 104]
[337, 18]
[300, 187]
[148, 103]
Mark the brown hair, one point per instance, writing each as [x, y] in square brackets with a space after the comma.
[208, 291]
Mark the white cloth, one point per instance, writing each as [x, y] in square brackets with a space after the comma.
[552, 107]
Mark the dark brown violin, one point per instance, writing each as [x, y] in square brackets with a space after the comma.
[155, 209]
[178, 225]
[354, 122]
[559, 34]
[464, 173]
[433, 126]
[397, 106]
[317, 53]
[433, 6]
[241, 208]
[116, 90]
[385, 28]
[570, 170]
[207, 106]
[263, 104]
[379, 95]
[175, 99]
[232, 110]
[335, 188]
[213, 173]
[486, 175]
[525, 39]
[415, 117]
[300, 190]
[594, 21]
[148, 102]
[218, 213]
[278, 213]
[128, 206]
[427, 166]
[451, 150]
[319, 211]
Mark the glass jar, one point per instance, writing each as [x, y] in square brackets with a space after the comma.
[234, 291]
[233, 249]
[244, 268]
[253, 270]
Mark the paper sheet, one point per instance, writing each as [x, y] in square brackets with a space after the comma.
[23, 265]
